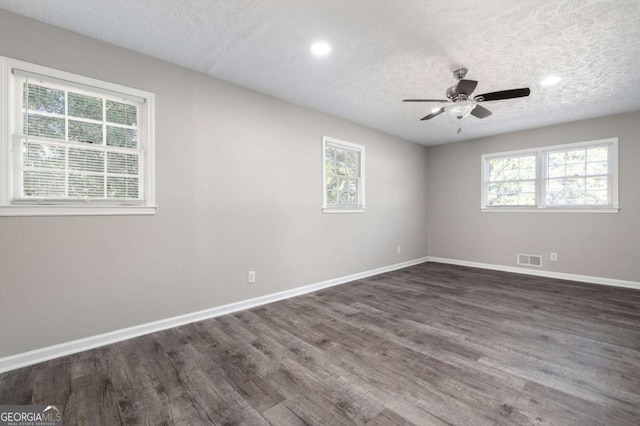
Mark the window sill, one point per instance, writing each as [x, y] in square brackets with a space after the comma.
[332, 210]
[551, 210]
[61, 210]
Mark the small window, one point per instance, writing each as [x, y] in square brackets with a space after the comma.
[573, 177]
[343, 176]
[74, 145]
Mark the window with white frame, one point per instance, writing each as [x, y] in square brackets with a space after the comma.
[73, 145]
[574, 177]
[343, 176]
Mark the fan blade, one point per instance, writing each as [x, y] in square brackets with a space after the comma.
[425, 100]
[504, 94]
[480, 112]
[466, 87]
[433, 114]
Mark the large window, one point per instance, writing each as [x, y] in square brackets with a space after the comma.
[574, 177]
[343, 176]
[73, 145]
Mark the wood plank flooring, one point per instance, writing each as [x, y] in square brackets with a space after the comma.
[432, 344]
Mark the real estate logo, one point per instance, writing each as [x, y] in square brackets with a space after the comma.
[30, 415]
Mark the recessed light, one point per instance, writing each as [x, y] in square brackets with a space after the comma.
[320, 48]
[550, 81]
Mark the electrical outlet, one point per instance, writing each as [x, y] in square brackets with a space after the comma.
[251, 277]
[554, 257]
[398, 249]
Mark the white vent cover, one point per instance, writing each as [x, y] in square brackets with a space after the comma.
[529, 260]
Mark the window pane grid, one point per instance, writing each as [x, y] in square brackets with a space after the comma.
[578, 177]
[67, 115]
[77, 145]
[58, 171]
[511, 181]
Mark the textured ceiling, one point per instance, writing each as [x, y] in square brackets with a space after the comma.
[387, 50]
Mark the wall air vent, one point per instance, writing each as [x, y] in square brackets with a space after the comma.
[530, 260]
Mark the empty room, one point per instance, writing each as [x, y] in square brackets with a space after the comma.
[279, 212]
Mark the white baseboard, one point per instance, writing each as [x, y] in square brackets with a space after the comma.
[540, 273]
[24, 359]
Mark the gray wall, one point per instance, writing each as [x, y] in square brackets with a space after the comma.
[238, 188]
[601, 245]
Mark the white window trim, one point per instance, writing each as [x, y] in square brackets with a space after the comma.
[540, 207]
[9, 207]
[361, 189]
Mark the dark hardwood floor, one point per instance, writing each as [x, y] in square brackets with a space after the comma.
[432, 344]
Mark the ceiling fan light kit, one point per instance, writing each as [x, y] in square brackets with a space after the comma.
[461, 103]
[461, 109]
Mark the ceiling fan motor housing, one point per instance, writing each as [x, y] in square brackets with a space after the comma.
[456, 97]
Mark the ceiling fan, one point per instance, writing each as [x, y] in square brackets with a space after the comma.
[461, 102]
